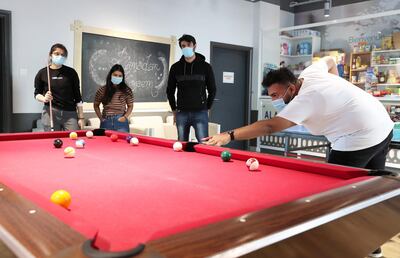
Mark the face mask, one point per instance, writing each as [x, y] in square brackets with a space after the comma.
[116, 80]
[58, 60]
[279, 104]
[187, 52]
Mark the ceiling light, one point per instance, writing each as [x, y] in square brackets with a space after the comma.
[327, 8]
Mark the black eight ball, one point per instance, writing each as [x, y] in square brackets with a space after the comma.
[58, 143]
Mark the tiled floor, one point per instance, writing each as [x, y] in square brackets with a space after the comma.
[392, 248]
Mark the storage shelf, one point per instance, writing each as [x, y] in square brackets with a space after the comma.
[359, 70]
[298, 38]
[361, 53]
[389, 100]
[384, 65]
[388, 84]
[294, 56]
[385, 51]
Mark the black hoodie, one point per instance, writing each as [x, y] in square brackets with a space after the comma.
[192, 80]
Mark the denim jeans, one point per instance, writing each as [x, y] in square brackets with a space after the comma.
[62, 120]
[197, 119]
[112, 123]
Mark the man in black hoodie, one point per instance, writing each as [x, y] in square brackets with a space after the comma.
[194, 78]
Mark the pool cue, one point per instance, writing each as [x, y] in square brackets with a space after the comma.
[50, 104]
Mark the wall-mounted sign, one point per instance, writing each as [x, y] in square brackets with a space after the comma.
[228, 77]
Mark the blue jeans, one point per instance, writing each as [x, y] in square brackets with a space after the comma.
[112, 123]
[197, 119]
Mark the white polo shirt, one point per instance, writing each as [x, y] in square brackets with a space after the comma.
[347, 116]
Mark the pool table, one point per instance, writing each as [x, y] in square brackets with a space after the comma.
[151, 201]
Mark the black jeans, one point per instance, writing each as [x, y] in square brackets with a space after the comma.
[371, 158]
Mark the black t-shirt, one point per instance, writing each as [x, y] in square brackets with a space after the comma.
[64, 87]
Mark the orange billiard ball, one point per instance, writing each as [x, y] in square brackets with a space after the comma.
[62, 198]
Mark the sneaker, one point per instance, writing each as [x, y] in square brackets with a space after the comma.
[377, 253]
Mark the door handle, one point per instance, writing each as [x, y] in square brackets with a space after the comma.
[216, 99]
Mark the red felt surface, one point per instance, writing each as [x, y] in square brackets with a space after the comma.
[137, 193]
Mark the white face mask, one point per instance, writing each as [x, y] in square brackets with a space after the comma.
[279, 104]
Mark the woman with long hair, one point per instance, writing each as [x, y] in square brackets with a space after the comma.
[117, 100]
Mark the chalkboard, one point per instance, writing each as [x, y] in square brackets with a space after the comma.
[146, 65]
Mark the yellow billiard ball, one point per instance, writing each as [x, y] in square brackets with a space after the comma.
[73, 136]
[69, 152]
[62, 198]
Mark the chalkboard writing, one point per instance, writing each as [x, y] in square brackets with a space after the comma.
[145, 63]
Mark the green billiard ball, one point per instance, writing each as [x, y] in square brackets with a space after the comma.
[226, 155]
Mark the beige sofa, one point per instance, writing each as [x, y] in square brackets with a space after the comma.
[170, 131]
[154, 126]
[94, 123]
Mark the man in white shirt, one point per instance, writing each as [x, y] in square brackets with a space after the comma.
[356, 124]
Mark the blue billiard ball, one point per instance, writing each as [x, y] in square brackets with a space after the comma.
[128, 138]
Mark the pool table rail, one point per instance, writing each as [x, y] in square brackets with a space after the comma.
[321, 225]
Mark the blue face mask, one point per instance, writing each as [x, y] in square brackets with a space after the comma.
[116, 80]
[279, 104]
[58, 60]
[187, 52]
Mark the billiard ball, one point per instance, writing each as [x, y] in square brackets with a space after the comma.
[226, 155]
[114, 137]
[128, 138]
[177, 146]
[80, 144]
[89, 134]
[62, 198]
[58, 143]
[69, 152]
[73, 136]
[134, 141]
[252, 164]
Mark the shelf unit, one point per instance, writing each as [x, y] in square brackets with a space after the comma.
[293, 56]
[387, 63]
[389, 100]
[388, 84]
[358, 68]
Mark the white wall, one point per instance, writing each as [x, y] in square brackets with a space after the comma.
[266, 18]
[287, 19]
[36, 25]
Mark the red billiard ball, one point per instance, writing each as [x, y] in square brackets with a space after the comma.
[114, 137]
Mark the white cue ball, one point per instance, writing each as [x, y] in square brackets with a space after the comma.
[177, 146]
[89, 134]
[134, 141]
[252, 164]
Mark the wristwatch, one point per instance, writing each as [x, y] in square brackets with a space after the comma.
[232, 134]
